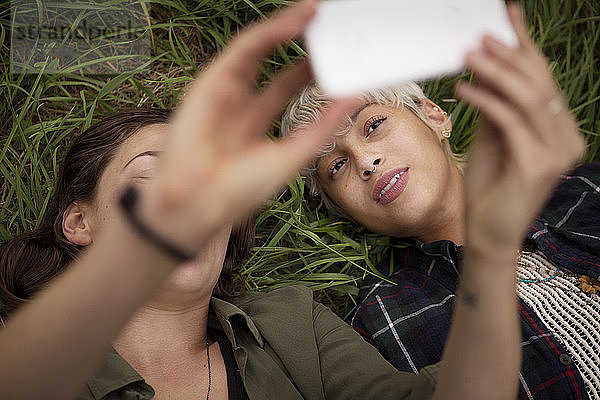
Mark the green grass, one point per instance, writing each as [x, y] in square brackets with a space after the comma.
[297, 243]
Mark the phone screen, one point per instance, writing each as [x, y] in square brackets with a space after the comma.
[358, 45]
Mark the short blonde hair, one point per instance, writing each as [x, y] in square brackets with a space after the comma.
[306, 108]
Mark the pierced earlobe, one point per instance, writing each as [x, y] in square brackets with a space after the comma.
[437, 109]
[442, 123]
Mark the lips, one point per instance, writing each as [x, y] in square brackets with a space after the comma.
[390, 185]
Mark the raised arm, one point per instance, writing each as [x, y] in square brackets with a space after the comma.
[527, 137]
[218, 166]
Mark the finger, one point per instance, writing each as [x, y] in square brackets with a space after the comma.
[533, 67]
[514, 131]
[299, 147]
[517, 19]
[274, 98]
[244, 54]
[527, 45]
[495, 75]
[485, 159]
[524, 97]
[268, 165]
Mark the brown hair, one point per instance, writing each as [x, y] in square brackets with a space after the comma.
[29, 261]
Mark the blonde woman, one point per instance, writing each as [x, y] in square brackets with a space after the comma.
[392, 171]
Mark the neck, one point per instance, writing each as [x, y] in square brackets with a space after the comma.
[449, 220]
[162, 337]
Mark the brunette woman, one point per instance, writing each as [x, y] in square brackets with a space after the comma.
[140, 234]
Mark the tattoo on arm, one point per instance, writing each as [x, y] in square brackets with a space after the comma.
[469, 297]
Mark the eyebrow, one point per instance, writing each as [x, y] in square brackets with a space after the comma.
[358, 111]
[145, 153]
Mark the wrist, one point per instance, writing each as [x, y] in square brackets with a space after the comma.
[491, 269]
[491, 255]
[488, 280]
[130, 206]
[481, 247]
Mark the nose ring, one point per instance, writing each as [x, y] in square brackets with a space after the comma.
[374, 169]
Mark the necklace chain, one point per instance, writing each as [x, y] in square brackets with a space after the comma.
[522, 263]
[208, 363]
[585, 283]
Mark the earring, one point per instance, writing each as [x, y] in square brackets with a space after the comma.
[446, 133]
[436, 109]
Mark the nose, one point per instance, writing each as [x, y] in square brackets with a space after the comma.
[372, 169]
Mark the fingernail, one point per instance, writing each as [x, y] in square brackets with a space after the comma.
[308, 7]
[300, 9]
[474, 56]
[461, 87]
[516, 8]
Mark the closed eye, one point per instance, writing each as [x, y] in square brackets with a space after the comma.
[142, 179]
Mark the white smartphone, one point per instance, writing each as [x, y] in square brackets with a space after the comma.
[359, 45]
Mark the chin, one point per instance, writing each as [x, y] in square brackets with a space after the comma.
[191, 277]
[404, 220]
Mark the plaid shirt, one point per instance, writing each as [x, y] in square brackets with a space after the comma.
[408, 322]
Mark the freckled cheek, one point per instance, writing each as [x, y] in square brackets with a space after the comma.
[104, 214]
[349, 199]
[105, 209]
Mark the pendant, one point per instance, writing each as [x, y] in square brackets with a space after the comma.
[589, 284]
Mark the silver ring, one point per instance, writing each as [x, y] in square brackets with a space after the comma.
[374, 169]
[556, 105]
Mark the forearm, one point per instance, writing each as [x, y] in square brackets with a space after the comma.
[482, 355]
[55, 343]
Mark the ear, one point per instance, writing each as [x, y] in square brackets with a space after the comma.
[439, 118]
[75, 224]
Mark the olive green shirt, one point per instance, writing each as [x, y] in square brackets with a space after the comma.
[287, 346]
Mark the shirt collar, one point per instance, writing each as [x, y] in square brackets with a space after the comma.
[230, 315]
[116, 373]
[444, 249]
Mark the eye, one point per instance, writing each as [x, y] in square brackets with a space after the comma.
[142, 175]
[140, 180]
[373, 123]
[336, 167]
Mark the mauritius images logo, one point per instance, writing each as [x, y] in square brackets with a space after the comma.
[87, 37]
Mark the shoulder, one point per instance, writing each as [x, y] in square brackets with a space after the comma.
[289, 311]
[292, 312]
[295, 293]
[583, 177]
[290, 306]
[575, 200]
[568, 226]
[288, 300]
[589, 169]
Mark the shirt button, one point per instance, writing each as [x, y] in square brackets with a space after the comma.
[565, 359]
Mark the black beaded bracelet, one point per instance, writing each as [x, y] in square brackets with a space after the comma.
[128, 202]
